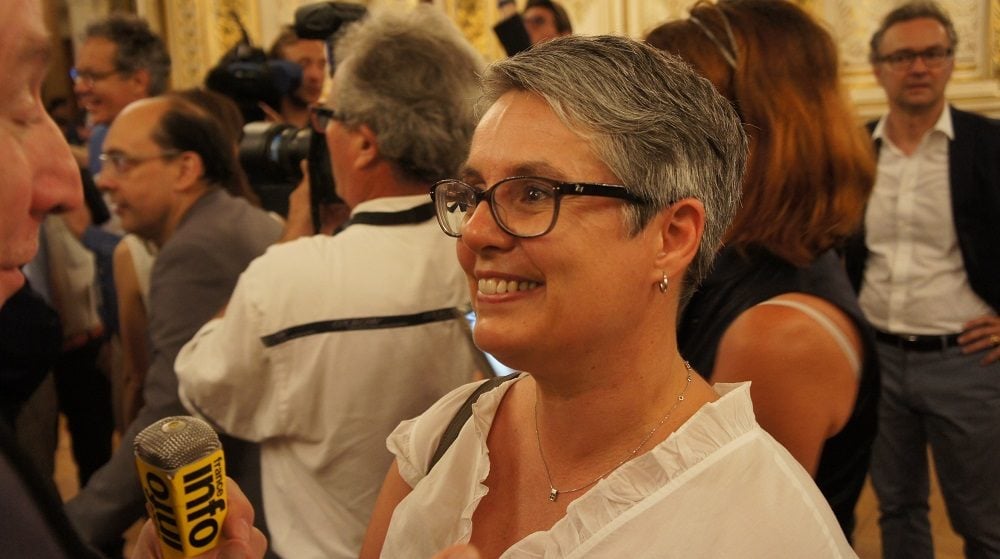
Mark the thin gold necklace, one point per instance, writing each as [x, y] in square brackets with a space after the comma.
[554, 493]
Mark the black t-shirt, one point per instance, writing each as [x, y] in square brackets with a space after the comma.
[742, 279]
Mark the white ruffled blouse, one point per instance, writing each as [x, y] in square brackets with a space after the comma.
[719, 486]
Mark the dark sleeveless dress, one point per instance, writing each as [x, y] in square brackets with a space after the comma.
[739, 281]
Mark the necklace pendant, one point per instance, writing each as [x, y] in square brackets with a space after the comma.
[553, 494]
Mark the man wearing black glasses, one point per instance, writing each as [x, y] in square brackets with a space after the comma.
[329, 342]
[121, 60]
[928, 271]
[172, 176]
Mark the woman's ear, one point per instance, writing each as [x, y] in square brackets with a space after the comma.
[679, 227]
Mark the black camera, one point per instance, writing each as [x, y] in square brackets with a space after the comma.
[323, 19]
[245, 75]
[270, 153]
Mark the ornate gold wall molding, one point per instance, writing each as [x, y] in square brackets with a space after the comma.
[199, 32]
[974, 84]
[995, 36]
[57, 83]
[475, 19]
[182, 27]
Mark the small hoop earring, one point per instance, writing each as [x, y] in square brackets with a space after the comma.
[663, 284]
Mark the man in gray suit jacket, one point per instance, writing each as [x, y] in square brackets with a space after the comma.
[170, 172]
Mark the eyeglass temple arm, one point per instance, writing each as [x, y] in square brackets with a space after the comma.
[607, 190]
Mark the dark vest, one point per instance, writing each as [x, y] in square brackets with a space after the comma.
[740, 281]
[974, 174]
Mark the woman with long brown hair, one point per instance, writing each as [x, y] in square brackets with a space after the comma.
[777, 309]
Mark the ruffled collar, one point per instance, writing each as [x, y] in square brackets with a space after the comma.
[712, 427]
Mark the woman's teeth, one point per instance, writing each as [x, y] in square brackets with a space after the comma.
[499, 286]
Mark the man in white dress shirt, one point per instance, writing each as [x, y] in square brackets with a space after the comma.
[329, 342]
[928, 270]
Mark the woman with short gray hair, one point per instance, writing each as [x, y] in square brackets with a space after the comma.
[609, 171]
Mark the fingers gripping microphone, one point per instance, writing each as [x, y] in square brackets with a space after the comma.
[183, 475]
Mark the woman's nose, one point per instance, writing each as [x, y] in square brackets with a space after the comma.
[481, 229]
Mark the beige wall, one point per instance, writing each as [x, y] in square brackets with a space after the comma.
[975, 85]
[200, 31]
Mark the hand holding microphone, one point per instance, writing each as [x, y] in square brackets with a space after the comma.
[195, 511]
[182, 472]
[240, 540]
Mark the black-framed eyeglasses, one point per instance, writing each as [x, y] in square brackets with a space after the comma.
[89, 77]
[524, 207]
[320, 117]
[121, 163]
[934, 57]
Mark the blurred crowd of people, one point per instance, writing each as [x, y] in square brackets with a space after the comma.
[727, 302]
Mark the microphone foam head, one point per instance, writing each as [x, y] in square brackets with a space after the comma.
[175, 441]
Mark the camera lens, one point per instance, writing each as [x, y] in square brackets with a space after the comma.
[271, 152]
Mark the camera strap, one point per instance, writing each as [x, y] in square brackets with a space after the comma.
[418, 214]
[360, 323]
[462, 416]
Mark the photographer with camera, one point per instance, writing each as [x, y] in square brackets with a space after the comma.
[542, 20]
[328, 342]
[171, 172]
[274, 92]
[310, 56]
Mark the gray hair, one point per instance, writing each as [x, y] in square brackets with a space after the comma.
[909, 11]
[411, 77]
[661, 128]
[138, 48]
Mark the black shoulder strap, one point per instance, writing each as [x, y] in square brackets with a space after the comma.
[463, 415]
[418, 214]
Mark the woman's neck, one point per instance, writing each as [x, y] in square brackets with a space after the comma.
[609, 408]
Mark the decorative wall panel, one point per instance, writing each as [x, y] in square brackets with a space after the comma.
[974, 85]
[200, 31]
[974, 82]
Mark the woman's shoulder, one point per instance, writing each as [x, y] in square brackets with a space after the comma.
[415, 441]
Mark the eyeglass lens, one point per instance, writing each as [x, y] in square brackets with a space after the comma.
[88, 76]
[524, 207]
[121, 163]
[932, 57]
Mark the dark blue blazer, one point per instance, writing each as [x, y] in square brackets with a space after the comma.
[974, 170]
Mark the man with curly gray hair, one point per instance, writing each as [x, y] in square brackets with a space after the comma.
[329, 342]
[121, 60]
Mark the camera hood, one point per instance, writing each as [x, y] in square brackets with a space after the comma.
[323, 19]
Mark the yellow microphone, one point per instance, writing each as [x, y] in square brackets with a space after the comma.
[183, 475]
